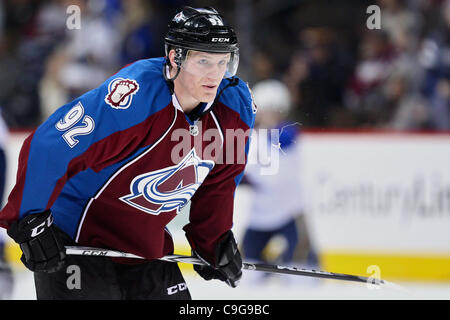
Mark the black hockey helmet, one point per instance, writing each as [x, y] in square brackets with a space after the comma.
[201, 29]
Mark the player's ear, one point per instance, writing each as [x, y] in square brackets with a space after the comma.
[172, 58]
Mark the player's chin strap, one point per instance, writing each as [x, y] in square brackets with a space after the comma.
[166, 74]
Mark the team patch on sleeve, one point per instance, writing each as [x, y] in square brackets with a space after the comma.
[120, 92]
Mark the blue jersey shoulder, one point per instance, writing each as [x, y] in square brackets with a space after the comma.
[239, 98]
[138, 90]
[123, 100]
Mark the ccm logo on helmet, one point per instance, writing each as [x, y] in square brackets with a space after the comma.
[220, 40]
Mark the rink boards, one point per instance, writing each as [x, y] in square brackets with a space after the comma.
[380, 201]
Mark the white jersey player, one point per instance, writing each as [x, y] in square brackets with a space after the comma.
[274, 175]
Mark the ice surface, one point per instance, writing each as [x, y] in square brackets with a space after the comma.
[282, 287]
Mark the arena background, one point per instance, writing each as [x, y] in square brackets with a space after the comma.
[372, 104]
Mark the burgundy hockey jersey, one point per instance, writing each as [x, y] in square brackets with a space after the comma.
[117, 164]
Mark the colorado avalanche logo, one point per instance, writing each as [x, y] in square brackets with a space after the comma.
[169, 188]
[120, 93]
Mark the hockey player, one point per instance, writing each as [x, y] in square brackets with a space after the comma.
[277, 203]
[109, 170]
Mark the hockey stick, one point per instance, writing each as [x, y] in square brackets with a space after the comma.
[89, 251]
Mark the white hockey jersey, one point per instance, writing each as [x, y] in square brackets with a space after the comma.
[273, 170]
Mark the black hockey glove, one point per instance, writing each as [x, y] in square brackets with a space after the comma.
[228, 264]
[42, 249]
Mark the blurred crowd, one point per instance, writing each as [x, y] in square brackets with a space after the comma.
[340, 73]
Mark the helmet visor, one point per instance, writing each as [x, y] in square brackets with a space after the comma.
[212, 65]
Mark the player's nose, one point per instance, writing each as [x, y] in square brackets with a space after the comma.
[215, 73]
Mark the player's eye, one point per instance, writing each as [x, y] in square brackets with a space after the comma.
[203, 61]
